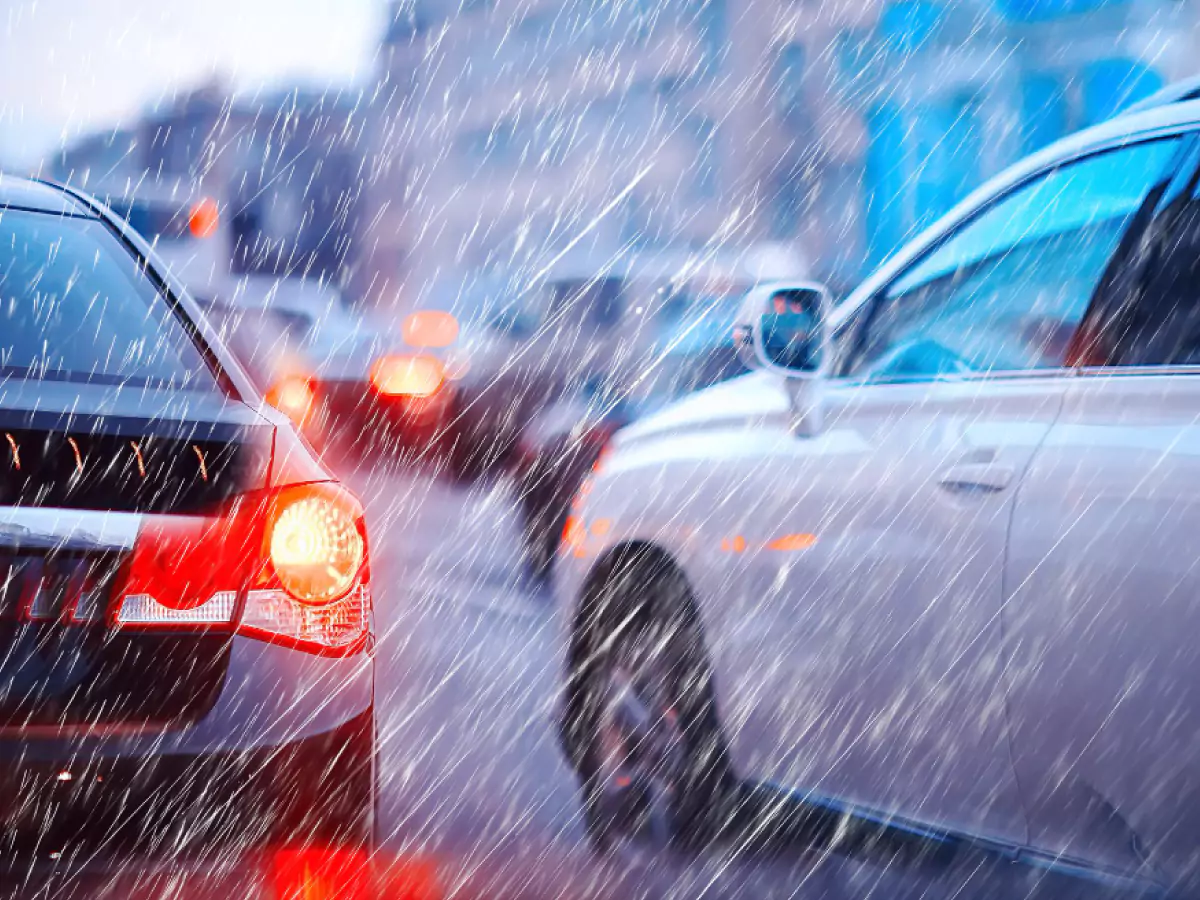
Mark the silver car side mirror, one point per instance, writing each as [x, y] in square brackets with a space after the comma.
[784, 328]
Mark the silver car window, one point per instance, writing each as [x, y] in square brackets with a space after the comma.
[1155, 319]
[1009, 289]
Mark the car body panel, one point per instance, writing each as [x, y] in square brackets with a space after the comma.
[938, 557]
[869, 589]
[1103, 621]
[35, 403]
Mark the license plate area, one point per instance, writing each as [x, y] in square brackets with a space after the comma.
[62, 665]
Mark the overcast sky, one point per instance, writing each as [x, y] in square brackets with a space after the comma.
[68, 66]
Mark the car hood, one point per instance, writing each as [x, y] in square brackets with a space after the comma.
[742, 401]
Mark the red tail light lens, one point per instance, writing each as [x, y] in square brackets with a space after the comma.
[287, 565]
[314, 543]
[188, 569]
[413, 376]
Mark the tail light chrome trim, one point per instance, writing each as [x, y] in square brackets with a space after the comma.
[31, 527]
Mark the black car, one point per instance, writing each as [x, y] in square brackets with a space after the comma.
[185, 608]
[694, 349]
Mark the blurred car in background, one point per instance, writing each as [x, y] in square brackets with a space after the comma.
[183, 226]
[545, 339]
[695, 349]
[487, 364]
[585, 320]
[340, 377]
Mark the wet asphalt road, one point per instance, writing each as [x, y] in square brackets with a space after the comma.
[474, 788]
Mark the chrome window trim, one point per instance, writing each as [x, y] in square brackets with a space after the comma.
[1005, 375]
[37, 527]
[1148, 371]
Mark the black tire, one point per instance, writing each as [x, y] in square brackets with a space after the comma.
[644, 602]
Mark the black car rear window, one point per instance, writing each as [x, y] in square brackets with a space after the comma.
[76, 306]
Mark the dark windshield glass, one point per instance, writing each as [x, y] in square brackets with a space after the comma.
[75, 306]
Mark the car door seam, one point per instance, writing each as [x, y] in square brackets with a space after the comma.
[1002, 612]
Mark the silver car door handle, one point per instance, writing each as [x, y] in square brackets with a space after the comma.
[986, 477]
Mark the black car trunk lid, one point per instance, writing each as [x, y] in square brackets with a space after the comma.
[76, 480]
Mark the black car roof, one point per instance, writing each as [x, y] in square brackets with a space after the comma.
[22, 193]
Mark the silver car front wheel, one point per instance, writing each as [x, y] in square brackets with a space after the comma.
[641, 725]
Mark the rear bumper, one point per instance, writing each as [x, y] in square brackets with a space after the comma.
[286, 756]
[353, 414]
[496, 411]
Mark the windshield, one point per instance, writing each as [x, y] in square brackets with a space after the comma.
[75, 306]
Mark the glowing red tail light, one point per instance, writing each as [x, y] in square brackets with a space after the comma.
[287, 565]
[315, 588]
[407, 376]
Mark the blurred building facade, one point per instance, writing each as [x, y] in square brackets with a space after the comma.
[285, 169]
[508, 129]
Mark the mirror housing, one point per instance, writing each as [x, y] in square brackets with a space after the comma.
[783, 328]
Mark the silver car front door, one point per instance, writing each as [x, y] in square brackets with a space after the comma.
[871, 669]
[1104, 611]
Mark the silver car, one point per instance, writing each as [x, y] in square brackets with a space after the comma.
[935, 568]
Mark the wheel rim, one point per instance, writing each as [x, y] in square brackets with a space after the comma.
[641, 740]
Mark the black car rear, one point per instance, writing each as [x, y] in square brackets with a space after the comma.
[63, 664]
[182, 671]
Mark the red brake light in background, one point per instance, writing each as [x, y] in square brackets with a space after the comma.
[430, 328]
[204, 218]
[317, 873]
[295, 397]
[411, 376]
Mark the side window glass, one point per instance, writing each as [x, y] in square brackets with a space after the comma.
[1157, 321]
[1009, 289]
